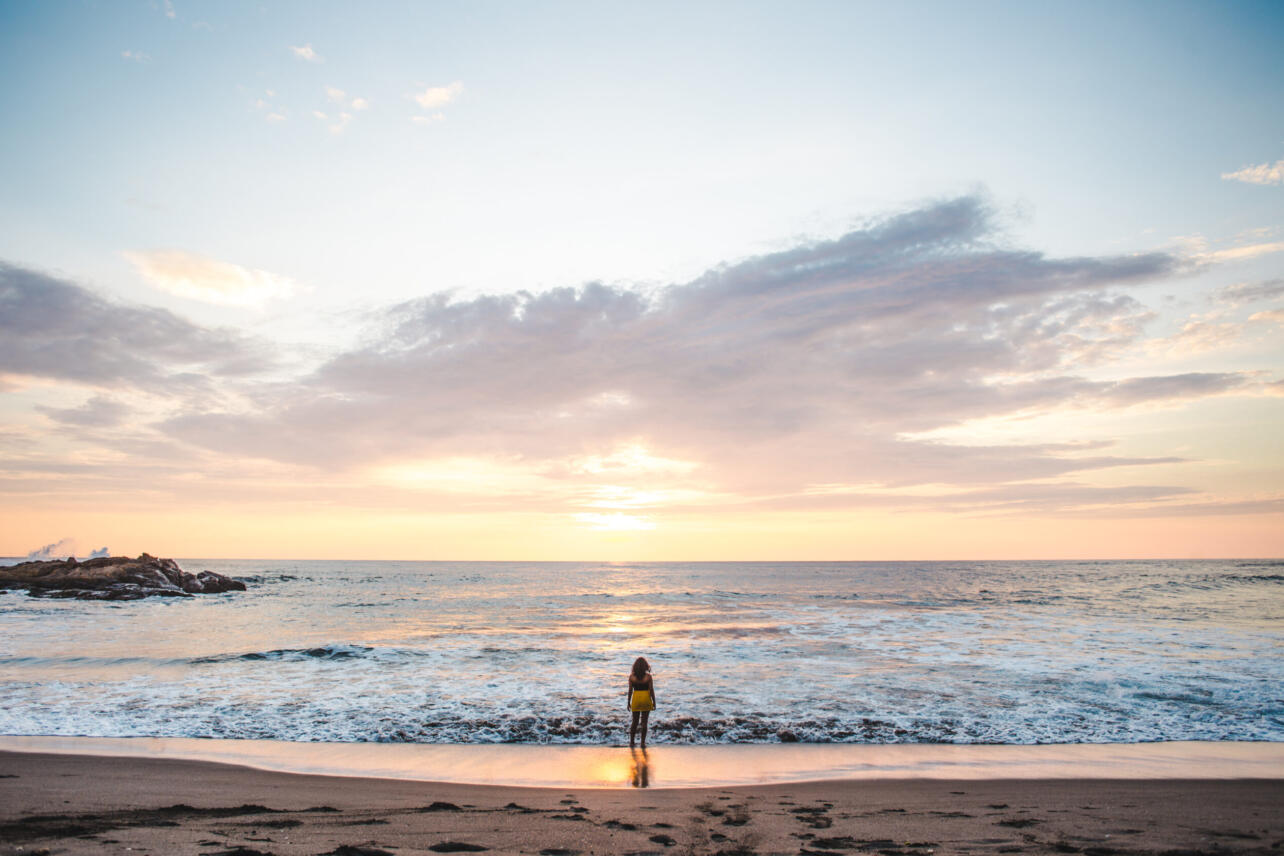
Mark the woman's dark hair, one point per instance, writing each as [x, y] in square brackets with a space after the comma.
[640, 668]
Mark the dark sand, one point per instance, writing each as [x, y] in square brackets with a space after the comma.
[82, 804]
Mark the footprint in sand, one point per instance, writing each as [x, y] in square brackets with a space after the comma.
[455, 847]
[441, 806]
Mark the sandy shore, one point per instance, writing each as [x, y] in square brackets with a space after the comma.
[85, 804]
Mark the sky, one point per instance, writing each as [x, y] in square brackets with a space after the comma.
[663, 281]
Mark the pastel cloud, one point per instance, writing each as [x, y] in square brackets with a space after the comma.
[98, 412]
[816, 362]
[201, 278]
[1262, 173]
[806, 379]
[56, 330]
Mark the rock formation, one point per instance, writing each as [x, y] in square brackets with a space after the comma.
[113, 578]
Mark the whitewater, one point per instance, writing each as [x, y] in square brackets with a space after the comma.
[770, 652]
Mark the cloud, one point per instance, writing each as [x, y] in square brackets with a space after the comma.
[814, 362]
[169, 9]
[434, 97]
[1169, 387]
[305, 52]
[1200, 333]
[275, 117]
[338, 96]
[135, 56]
[201, 278]
[99, 412]
[822, 376]
[1250, 251]
[1263, 173]
[53, 329]
[1248, 292]
[1271, 315]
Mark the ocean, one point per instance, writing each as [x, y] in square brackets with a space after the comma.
[761, 652]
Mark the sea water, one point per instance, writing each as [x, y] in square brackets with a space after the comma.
[538, 653]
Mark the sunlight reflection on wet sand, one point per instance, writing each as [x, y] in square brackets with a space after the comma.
[695, 766]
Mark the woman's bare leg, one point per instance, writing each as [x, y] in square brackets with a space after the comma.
[646, 714]
[633, 730]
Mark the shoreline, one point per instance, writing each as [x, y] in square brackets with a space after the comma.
[76, 804]
[692, 766]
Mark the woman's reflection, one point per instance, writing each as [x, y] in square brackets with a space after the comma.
[640, 774]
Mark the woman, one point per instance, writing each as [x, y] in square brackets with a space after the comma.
[641, 698]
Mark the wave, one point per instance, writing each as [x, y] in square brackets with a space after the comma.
[331, 724]
[325, 652]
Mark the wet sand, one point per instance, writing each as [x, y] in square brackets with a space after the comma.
[62, 803]
[576, 766]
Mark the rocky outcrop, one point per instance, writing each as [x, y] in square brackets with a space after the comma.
[113, 578]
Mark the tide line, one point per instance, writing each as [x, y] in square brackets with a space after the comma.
[695, 766]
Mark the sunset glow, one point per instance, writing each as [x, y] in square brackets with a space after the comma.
[311, 282]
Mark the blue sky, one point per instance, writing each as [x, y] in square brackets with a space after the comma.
[295, 172]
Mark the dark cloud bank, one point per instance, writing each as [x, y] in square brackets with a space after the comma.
[797, 368]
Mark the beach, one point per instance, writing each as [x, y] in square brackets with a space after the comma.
[913, 708]
[66, 803]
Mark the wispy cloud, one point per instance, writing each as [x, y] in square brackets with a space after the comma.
[135, 56]
[1200, 251]
[1262, 173]
[201, 278]
[1274, 316]
[306, 52]
[99, 412]
[1248, 292]
[1250, 251]
[168, 5]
